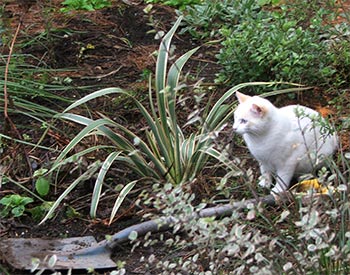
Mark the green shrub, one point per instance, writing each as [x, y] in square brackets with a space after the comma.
[291, 42]
[276, 46]
[204, 20]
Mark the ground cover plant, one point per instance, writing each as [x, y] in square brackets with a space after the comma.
[181, 4]
[89, 5]
[108, 148]
[307, 237]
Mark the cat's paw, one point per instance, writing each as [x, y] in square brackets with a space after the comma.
[278, 189]
[264, 183]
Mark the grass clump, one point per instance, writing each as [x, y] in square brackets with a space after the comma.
[31, 89]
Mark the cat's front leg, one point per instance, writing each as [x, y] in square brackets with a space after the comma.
[283, 179]
[265, 178]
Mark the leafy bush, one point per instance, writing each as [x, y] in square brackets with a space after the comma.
[291, 42]
[205, 20]
[278, 47]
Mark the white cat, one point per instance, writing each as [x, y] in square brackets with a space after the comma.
[287, 142]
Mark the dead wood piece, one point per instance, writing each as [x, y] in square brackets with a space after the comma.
[165, 223]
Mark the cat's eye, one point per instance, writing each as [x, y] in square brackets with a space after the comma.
[243, 121]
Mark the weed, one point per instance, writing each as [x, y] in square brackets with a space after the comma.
[14, 205]
[89, 5]
[181, 4]
[42, 183]
[24, 91]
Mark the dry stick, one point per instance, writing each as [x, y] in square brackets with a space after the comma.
[165, 223]
[6, 96]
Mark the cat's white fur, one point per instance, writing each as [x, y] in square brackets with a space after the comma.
[286, 141]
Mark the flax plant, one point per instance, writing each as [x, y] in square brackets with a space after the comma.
[165, 155]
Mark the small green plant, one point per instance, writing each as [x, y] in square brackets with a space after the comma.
[39, 211]
[174, 158]
[89, 5]
[24, 92]
[14, 205]
[181, 4]
[42, 182]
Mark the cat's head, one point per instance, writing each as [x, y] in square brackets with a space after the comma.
[252, 114]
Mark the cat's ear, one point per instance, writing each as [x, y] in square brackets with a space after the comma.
[258, 110]
[241, 97]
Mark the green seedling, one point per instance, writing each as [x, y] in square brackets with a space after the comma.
[38, 212]
[14, 205]
[42, 183]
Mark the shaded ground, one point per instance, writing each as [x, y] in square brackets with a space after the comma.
[110, 47]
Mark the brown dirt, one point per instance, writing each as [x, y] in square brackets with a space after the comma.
[109, 47]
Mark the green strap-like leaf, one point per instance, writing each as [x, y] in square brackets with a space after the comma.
[78, 155]
[172, 83]
[83, 133]
[117, 139]
[163, 53]
[162, 91]
[94, 95]
[125, 191]
[96, 194]
[86, 175]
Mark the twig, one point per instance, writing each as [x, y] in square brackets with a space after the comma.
[99, 77]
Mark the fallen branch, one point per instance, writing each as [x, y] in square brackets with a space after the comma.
[165, 223]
